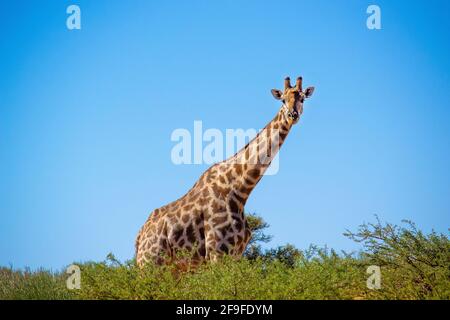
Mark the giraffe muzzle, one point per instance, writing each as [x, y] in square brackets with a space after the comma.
[294, 116]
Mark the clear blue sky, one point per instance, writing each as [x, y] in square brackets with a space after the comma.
[86, 116]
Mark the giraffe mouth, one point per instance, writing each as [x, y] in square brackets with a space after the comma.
[294, 116]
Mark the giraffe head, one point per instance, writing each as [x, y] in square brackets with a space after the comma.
[293, 98]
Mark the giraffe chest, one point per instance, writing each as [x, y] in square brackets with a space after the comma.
[228, 234]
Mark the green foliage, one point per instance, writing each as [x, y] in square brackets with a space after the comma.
[28, 285]
[315, 275]
[288, 255]
[257, 225]
[413, 266]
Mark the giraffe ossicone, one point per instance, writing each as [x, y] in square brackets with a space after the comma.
[209, 221]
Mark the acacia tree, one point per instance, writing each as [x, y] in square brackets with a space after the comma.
[287, 254]
[257, 225]
[408, 256]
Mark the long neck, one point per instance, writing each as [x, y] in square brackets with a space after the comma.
[255, 157]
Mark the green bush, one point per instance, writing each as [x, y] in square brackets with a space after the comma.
[28, 285]
[413, 266]
[322, 275]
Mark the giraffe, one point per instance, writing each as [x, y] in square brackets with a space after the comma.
[208, 221]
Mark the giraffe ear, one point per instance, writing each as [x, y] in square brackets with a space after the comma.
[309, 91]
[277, 94]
